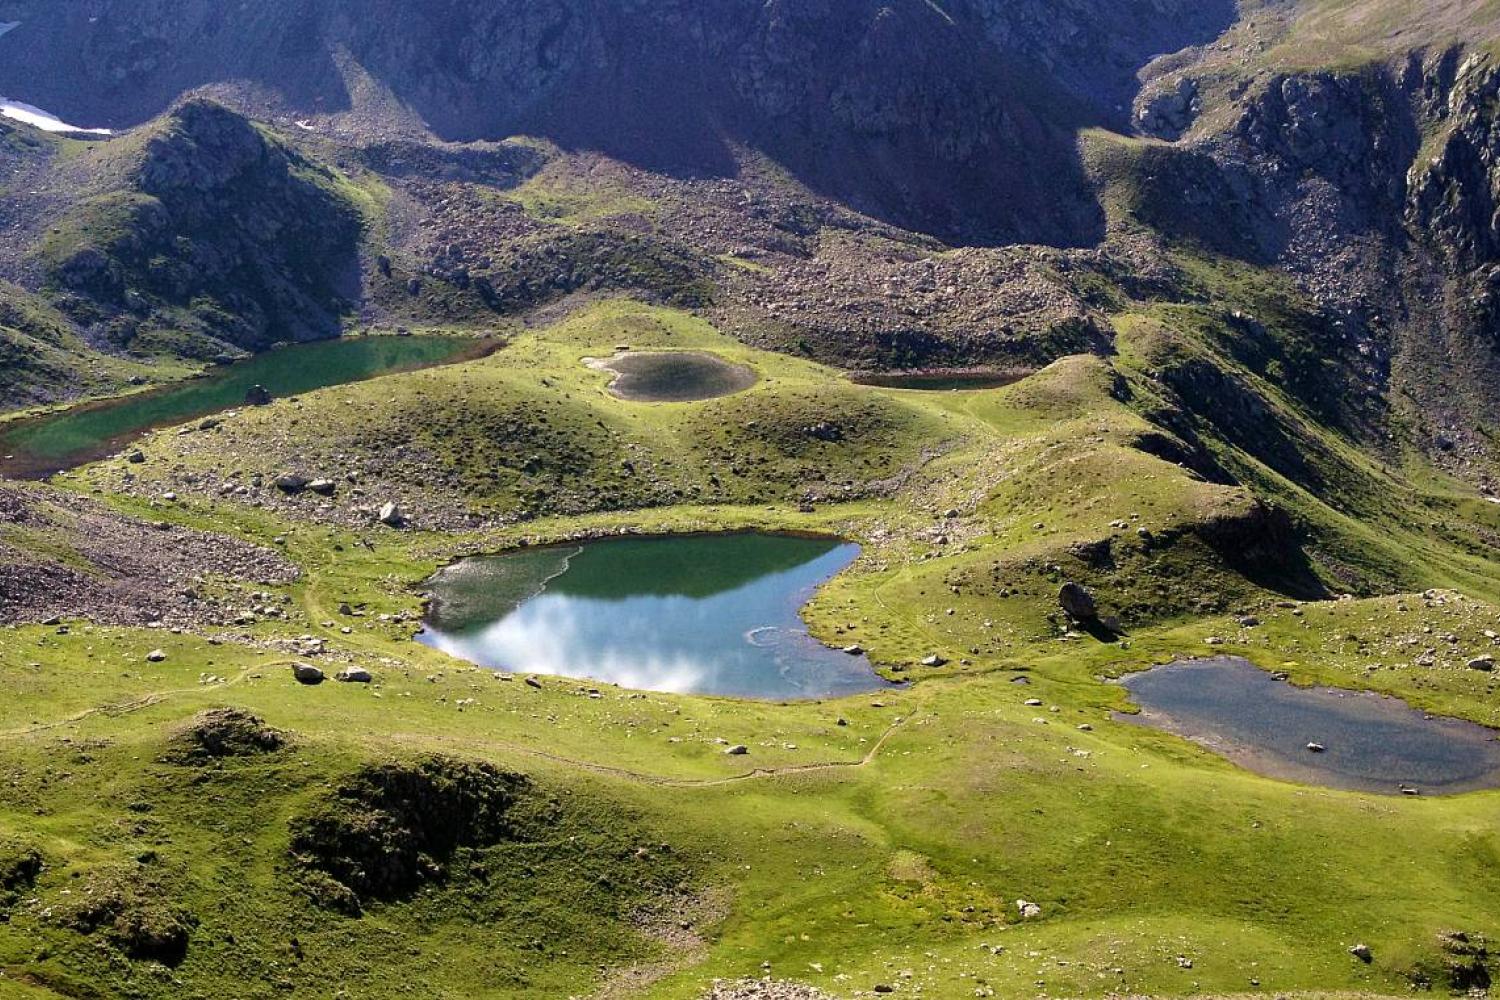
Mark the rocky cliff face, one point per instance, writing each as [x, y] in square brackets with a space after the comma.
[217, 230]
[953, 118]
[1454, 196]
[1328, 176]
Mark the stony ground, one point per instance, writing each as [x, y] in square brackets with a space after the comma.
[67, 558]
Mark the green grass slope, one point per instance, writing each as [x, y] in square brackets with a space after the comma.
[874, 840]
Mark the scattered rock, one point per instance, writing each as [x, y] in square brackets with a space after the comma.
[392, 516]
[1028, 909]
[291, 483]
[1362, 952]
[763, 989]
[156, 656]
[1316, 747]
[322, 487]
[1485, 662]
[354, 675]
[738, 750]
[258, 395]
[933, 661]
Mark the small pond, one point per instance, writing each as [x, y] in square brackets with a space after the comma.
[41, 446]
[1369, 742]
[674, 376]
[692, 614]
[941, 380]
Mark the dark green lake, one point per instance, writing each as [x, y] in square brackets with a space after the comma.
[1369, 743]
[41, 446]
[709, 614]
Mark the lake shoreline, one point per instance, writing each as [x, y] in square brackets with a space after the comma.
[17, 463]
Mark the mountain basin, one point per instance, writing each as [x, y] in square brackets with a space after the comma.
[1369, 742]
[688, 614]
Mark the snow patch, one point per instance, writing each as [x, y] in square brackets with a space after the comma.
[37, 118]
[6, 26]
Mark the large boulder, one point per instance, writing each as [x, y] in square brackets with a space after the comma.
[1077, 603]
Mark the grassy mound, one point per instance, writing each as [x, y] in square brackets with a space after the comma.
[225, 732]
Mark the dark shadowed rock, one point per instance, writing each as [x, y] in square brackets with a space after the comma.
[306, 673]
[1077, 603]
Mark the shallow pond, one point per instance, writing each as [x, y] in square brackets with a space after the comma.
[941, 381]
[675, 376]
[38, 447]
[1370, 743]
[700, 614]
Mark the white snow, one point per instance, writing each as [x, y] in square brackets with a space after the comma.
[8, 26]
[43, 120]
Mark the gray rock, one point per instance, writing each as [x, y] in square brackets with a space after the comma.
[258, 395]
[354, 675]
[1169, 111]
[322, 487]
[1362, 952]
[136, 457]
[306, 673]
[156, 656]
[1077, 603]
[391, 515]
[933, 661]
[1028, 910]
[291, 483]
[738, 750]
[1485, 662]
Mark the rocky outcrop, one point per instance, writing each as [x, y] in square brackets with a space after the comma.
[1168, 109]
[1454, 197]
[218, 229]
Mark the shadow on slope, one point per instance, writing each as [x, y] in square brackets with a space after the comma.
[957, 120]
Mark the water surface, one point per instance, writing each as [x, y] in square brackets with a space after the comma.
[675, 376]
[702, 614]
[941, 381]
[1371, 743]
[38, 447]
